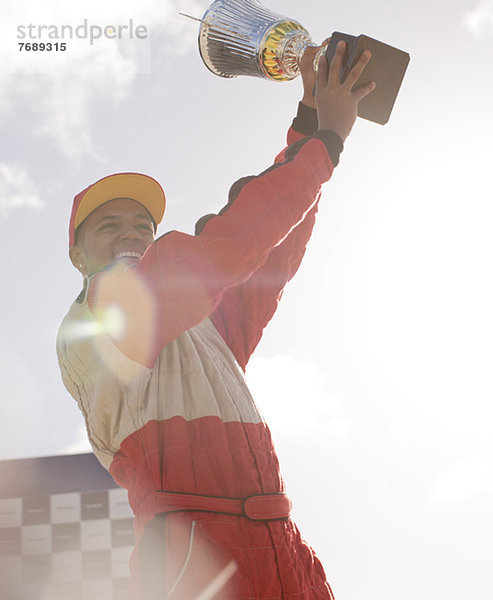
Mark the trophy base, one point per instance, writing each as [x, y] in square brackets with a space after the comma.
[386, 68]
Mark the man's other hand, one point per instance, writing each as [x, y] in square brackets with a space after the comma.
[308, 73]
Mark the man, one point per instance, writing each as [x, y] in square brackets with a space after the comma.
[154, 347]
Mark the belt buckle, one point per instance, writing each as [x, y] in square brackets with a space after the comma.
[267, 507]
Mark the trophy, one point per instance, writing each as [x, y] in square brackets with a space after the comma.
[241, 37]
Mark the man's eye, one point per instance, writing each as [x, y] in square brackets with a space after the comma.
[107, 226]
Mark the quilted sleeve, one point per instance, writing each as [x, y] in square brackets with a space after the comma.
[246, 309]
[182, 279]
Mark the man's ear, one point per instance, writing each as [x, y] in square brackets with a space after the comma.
[77, 258]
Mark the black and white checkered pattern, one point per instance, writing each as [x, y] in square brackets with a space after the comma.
[71, 546]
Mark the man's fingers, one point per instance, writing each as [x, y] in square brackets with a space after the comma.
[358, 68]
[364, 91]
[336, 64]
[322, 72]
[306, 62]
[310, 52]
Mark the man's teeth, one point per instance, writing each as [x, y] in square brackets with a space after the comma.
[128, 255]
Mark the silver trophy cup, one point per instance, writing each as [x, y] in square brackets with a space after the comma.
[241, 37]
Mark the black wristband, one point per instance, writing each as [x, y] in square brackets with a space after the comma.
[306, 120]
[333, 143]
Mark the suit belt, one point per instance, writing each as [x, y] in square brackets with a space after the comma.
[261, 507]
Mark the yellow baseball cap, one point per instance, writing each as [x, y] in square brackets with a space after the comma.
[136, 186]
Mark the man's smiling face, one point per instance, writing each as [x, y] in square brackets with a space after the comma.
[120, 229]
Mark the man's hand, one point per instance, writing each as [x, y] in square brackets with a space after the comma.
[308, 74]
[337, 104]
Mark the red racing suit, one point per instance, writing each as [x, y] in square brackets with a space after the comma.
[154, 356]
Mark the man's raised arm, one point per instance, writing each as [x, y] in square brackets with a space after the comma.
[186, 276]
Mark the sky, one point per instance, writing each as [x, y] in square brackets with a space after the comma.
[374, 375]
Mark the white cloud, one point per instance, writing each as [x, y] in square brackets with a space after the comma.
[296, 399]
[67, 83]
[17, 190]
[464, 479]
[480, 20]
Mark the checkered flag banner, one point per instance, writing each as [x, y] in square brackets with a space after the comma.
[66, 531]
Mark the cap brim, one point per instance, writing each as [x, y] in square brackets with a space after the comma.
[136, 186]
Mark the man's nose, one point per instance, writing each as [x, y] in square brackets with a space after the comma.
[129, 232]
